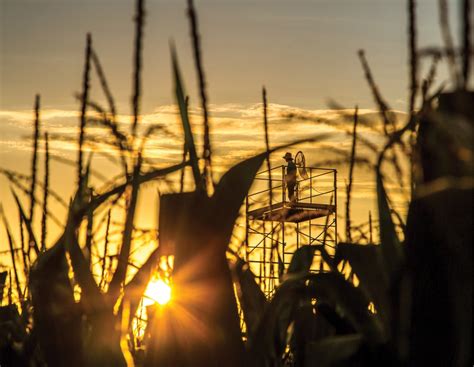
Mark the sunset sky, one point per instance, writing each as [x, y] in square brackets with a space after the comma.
[304, 52]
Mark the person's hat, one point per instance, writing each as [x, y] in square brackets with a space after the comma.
[287, 156]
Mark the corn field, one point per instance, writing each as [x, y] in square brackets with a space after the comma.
[402, 297]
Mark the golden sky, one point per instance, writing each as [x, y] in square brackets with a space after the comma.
[304, 52]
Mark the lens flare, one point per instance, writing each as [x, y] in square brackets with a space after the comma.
[158, 291]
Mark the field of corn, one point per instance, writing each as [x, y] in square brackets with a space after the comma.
[402, 298]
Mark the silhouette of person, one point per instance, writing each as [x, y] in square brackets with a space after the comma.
[290, 176]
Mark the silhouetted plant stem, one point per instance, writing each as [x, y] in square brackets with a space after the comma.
[384, 111]
[413, 58]
[24, 248]
[85, 99]
[380, 102]
[267, 144]
[12, 252]
[103, 83]
[45, 193]
[34, 161]
[139, 21]
[325, 234]
[351, 171]
[207, 153]
[448, 42]
[430, 77]
[185, 153]
[466, 26]
[122, 260]
[413, 66]
[370, 227]
[10, 288]
[89, 236]
[106, 244]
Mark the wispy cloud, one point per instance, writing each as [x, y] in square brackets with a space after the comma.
[236, 129]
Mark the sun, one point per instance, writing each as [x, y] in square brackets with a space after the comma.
[158, 291]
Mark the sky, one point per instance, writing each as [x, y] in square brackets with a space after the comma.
[304, 52]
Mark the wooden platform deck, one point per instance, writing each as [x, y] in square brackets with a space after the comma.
[291, 212]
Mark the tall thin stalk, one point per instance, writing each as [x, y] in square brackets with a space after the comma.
[370, 227]
[34, 163]
[466, 27]
[413, 58]
[382, 105]
[185, 154]
[351, 172]
[122, 260]
[106, 244]
[103, 83]
[207, 153]
[137, 60]
[448, 41]
[89, 236]
[12, 253]
[85, 98]
[267, 143]
[45, 194]
[24, 247]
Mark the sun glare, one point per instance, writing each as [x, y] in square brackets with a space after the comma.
[158, 291]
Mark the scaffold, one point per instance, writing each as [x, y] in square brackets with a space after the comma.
[276, 226]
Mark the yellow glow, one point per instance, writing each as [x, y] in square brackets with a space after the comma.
[158, 291]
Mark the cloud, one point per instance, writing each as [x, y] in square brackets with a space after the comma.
[236, 130]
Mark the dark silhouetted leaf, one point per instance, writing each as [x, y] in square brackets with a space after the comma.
[57, 318]
[301, 260]
[333, 350]
[188, 134]
[27, 222]
[391, 249]
[252, 299]
[366, 262]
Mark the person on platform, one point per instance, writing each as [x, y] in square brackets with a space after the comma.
[290, 176]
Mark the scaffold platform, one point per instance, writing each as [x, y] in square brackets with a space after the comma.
[291, 212]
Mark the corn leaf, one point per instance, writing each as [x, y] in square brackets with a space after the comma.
[252, 299]
[230, 193]
[118, 278]
[330, 288]
[392, 252]
[301, 260]
[366, 262]
[27, 223]
[332, 351]
[183, 110]
[3, 279]
[57, 317]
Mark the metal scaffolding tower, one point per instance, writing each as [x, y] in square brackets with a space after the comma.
[276, 226]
